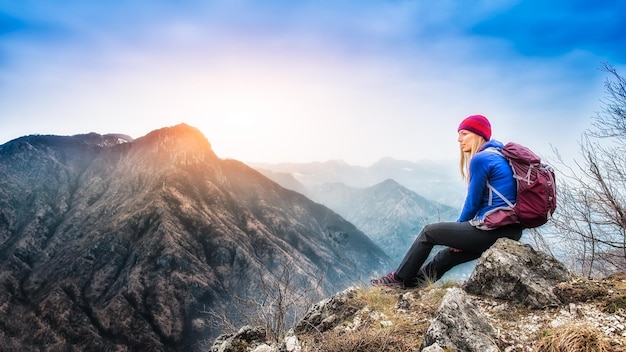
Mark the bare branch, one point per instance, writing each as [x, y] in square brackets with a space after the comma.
[591, 218]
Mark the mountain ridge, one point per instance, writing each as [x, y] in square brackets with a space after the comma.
[436, 181]
[389, 213]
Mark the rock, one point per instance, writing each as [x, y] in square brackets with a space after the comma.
[433, 348]
[460, 326]
[292, 344]
[407, 300]
[264, 348]
[248, 338]
[516, 272]
[326, 314]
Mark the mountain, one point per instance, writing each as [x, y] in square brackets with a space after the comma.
[109, 243]
[377, 199]
[389, 213]
[434, 180]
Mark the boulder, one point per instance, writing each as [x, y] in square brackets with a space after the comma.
[326, 314]
[459, 326]
[515, 272]
[248, 338]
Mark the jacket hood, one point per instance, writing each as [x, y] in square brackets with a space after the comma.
[492, 144]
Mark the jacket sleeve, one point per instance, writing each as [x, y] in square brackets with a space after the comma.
[478, 170]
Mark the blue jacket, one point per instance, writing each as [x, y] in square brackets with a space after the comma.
[487, 166]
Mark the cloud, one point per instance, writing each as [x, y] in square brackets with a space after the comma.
[353, 80]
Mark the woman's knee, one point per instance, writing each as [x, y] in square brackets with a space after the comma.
[437, 231]
[436, 227]
[427, 228]
[428, 232]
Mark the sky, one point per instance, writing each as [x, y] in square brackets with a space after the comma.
[300, 81]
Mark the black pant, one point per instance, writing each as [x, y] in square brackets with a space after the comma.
[458, 235]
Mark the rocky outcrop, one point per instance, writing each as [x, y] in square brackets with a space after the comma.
[328, 313]
[459, 325]
[516, 272]
[248, 338]
[437, 319]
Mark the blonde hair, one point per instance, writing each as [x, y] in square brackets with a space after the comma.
[466, 157]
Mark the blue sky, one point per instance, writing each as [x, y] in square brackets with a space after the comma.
[271, 81]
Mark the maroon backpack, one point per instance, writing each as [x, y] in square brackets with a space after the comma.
[536, 191]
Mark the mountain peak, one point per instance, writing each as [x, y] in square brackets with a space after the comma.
[176, 143]
[390, 183]
[181, 131]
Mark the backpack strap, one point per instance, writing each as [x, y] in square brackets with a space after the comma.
[493, 150]
[494, 190]
[491, 188]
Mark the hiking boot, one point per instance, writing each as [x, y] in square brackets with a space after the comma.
[388, 280]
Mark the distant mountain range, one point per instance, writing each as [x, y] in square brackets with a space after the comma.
[437, 181]
[389, 213]
[109, 243]
[390, 201]
[373, 198]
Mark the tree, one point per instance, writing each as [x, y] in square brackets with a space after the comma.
[275, 301]
[591, 219]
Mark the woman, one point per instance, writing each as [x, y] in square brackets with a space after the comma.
[464, 241]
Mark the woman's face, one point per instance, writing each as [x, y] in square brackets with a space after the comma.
[466, 140]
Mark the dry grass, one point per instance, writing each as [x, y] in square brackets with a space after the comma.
[615, 304]
[383, 328]
[617, 301]
[378, 300]
[575, 337]
[392, 339]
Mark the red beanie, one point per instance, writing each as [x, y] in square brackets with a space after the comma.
[477, 124]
